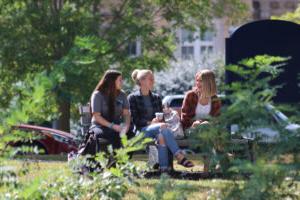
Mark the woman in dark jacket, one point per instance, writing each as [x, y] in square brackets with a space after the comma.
[144, 105]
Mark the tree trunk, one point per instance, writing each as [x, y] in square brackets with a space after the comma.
[63, 122]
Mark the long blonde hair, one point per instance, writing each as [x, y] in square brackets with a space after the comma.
[209, 87]
[140, 74]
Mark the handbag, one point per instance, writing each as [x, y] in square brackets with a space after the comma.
[172, 120]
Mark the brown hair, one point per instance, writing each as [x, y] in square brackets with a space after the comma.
[107, 85]
[209, 87]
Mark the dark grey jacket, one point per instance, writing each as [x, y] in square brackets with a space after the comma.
[137, 107]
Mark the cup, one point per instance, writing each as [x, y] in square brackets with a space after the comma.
[159, 116]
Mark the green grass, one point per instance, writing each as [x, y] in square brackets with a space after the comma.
[198, 189]
[42, 169]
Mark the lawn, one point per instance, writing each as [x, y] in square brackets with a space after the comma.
[47, 164]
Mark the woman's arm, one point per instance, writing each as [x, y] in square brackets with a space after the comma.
[102, 121]
[187, 111]
[127, 117]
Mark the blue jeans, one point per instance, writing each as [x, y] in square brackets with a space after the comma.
[154, 131]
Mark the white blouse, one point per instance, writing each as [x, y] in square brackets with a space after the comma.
[202, 111]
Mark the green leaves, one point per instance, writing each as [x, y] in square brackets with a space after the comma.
[252, 68]
[267, 181]
[79, 41]
[249, 108]
[32, 102]
[290, 16]
[106, 183]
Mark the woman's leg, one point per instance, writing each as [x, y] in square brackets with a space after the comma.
[153, 131]
[173, 146]
[170, 141]
[163, 155]
[106, 133]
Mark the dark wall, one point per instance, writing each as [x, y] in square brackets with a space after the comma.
[272, 37]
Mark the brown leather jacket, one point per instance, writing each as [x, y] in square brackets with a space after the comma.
[189, 105]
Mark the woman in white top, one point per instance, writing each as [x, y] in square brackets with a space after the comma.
[201, 103]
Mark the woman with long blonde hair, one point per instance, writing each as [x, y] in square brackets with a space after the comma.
[201, 103]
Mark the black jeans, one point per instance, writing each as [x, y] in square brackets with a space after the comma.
[109, 134]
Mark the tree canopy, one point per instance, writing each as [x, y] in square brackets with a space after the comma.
[78, 40]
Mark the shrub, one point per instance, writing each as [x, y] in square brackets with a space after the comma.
[270, 177]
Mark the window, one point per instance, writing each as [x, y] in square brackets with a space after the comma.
[187, 52]
[206, 49]
[131, 49]
[207, 35]
[60, 138]
[134, 48]
[187, 36]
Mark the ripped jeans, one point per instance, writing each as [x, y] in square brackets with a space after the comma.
[154, 131]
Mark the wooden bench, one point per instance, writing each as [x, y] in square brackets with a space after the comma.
[85, 121]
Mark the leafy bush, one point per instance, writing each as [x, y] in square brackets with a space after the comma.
[271, 176]
[247, 108]
[268, 181]
[32, 101]
[106, 183]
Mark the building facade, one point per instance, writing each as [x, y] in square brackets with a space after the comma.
[264, 9]
[195, 45]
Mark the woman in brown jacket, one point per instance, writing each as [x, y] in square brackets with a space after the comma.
[201, 103]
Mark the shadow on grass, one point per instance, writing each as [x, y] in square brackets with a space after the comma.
[49, 158]
[184, 175]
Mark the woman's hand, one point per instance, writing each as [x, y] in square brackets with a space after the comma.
[126, 129]
[198, 123]
[163, 125]
[155, 120]
[117, 128]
